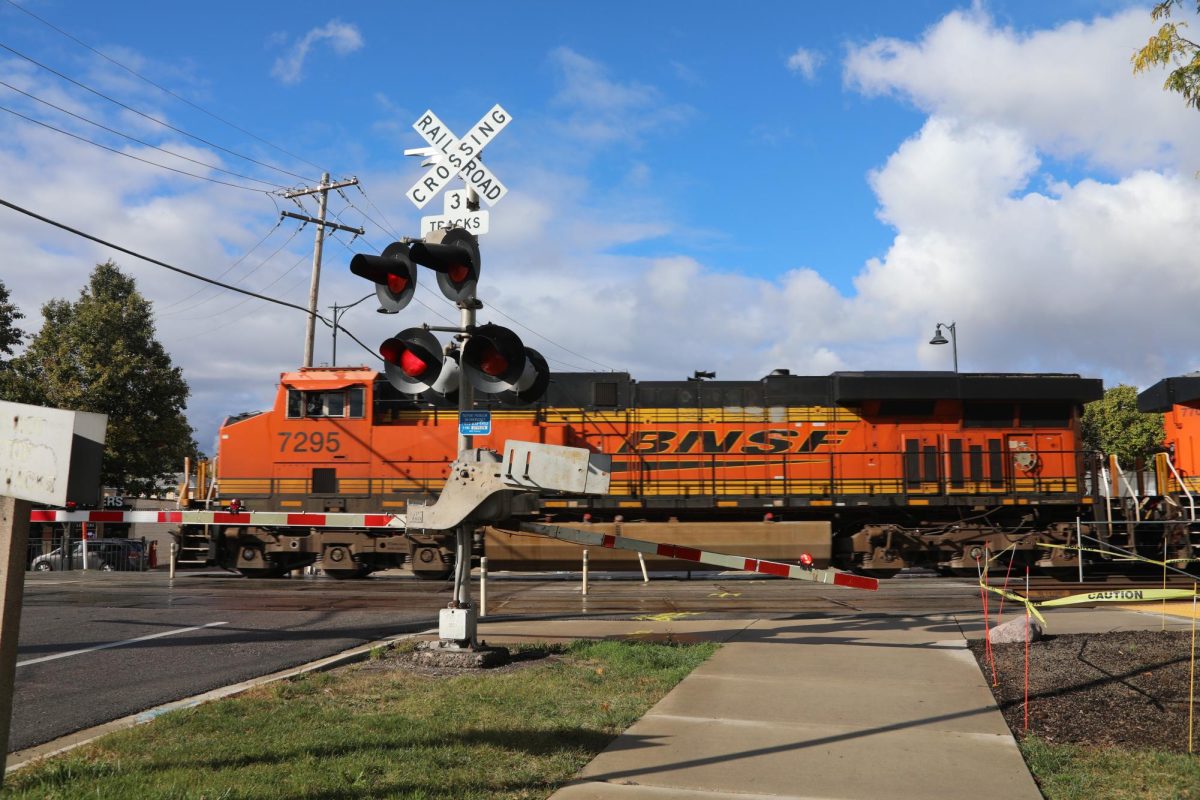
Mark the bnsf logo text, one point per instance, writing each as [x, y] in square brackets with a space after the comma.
[736, 441]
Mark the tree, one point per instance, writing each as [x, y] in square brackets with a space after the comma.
[10, 334]
[100, 354]
[1113, 425]
[1168, 47]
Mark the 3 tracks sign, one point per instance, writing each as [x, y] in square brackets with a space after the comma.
[454, 155]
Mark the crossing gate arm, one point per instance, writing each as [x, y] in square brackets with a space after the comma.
[267, 519]
[777, 568]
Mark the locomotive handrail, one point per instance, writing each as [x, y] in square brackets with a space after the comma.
[1182, 485]
[1137, 510]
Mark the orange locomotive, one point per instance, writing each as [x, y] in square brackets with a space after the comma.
[906, 468]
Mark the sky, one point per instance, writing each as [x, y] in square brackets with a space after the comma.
[691, 185]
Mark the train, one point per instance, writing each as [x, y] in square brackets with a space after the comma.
[877, 472]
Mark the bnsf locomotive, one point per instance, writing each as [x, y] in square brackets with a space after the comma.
[890, 469]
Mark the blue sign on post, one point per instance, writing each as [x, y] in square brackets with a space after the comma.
[474, 423]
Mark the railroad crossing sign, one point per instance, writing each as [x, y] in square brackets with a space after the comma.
[457, 215]
[459, 157]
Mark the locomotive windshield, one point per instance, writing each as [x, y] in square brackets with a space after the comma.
[340, 403]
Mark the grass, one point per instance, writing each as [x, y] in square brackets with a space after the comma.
[1074, 772]
[370, 732]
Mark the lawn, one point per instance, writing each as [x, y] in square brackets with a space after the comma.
[384, 729]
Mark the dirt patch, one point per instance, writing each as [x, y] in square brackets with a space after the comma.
[1128, 688]
[411, 661]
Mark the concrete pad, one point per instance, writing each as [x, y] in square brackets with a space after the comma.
[864, 662]
[964, 706]
[892, 628]
[684, 630]
[624, 791]
[895, 761]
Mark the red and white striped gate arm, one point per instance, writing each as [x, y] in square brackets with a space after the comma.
[702, 556]
[272, 519]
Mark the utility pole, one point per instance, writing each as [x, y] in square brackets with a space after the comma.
[318, 246]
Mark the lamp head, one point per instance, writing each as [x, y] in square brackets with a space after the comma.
[938, 338]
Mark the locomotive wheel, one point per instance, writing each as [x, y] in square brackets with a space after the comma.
[357, 571]
[272, 572]
[428, 575]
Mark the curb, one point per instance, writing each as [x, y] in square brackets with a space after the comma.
[21, 758]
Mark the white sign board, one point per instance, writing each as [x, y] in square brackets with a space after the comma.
[475, 222]
[50, 456]
[460, 156]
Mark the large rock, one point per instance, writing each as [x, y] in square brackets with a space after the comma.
[1014, 631]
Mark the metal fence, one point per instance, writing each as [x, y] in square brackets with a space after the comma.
[64, 550]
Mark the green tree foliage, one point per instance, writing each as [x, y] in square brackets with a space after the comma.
[1114, 425]
[100, 354]
[1169, 48]
[10, 334]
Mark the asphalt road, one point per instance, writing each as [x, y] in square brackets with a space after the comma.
[204, 631]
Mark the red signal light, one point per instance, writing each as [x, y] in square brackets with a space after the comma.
[493, 362]
[397, 283]
[413, 365]
[458, 272]
[392, 350]
[806, 560]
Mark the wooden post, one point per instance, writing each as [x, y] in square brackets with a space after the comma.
[14, 546]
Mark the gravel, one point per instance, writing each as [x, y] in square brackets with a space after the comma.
[1127, 688]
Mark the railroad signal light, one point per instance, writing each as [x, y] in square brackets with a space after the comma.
[454, 255]
[806, 560]
[414, 363]
[394, 274]
[493, 359]
[535, 379]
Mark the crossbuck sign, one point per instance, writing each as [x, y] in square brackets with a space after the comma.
[459, 156]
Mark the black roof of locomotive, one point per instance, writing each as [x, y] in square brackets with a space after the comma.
[581, 390]
[577, 389]
[1169, 391]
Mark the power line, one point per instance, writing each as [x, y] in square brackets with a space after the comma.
[391, 228]
[602, 365]
[230, 268]
[129, 155]
[153, 119]
[180, 270]
[135, 139]
[157, 86]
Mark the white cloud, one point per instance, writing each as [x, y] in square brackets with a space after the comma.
[1088, 275]
[805, 62]
[343, 37]
[1070, 89]
[603, 110]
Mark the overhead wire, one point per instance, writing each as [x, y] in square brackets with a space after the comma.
[139, 141]
[153, 119]
[243, 278]
[161, 88]
[75, 231]
[226, 271]
[391, 228]
[129, 155]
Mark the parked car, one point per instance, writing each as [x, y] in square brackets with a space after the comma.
[106, 555]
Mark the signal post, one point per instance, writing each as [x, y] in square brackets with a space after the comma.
[489, 358]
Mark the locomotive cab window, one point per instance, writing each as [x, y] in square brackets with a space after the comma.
[340, 403]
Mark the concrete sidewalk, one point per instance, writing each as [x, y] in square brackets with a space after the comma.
[858, 706]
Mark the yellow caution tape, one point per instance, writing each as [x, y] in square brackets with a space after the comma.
[1017, 599]
[1117, 555]
[1119, 596]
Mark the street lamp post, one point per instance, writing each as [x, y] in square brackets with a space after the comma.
[338, 311]
[938, 338]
